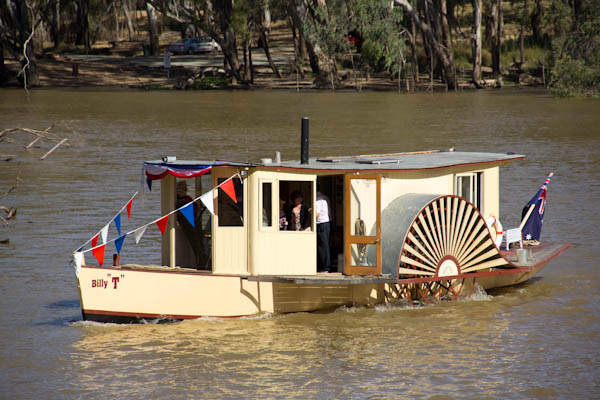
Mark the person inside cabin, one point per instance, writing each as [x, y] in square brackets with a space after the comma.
[298, 214]
[192, 233]
[182, 196]
[283, 222]
[323, 212]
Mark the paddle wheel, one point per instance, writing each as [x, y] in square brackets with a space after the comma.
[446, 244]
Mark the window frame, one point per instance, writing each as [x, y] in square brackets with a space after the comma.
[274, 227]
[475, 187]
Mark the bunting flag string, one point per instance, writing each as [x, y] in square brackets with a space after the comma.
[229, 189]
[162, 223]
[104, 233]
[139, 233]
[208, 200]
[128, 207]
[188, 213]
[98, 252]
[95, 240]
[117, 215]
[187, 210]
[119, 243]
[117, 221]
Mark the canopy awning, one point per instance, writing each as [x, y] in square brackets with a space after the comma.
[183, 169]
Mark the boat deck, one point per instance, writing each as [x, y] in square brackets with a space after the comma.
[539, 255]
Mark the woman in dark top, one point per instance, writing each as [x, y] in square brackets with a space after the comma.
[298, 214]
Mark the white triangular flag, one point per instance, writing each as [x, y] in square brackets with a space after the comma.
[139, 233]
[104, 234]
[77, 260]
[207, 200]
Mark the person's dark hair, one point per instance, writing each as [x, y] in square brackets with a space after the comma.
[295, 194]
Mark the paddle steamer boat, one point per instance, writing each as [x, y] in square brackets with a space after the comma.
[405, 227]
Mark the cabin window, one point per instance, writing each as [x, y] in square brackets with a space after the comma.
[231, 213]
[469, 186]
[290, 194]
[267, 204]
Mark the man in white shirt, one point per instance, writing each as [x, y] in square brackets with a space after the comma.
[323, 212]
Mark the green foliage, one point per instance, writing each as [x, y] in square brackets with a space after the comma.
[575, 56]
[328, 26]
[210, 82]
[463, 55]
[381, 30]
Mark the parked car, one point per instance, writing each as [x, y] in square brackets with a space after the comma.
[208, 44]
[194, 46]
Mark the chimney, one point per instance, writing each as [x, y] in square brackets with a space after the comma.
[304, 142]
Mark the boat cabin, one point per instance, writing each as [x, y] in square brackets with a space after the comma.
[247, 232]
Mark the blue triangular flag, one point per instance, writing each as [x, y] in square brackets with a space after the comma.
[119, 243]
[188, 213]
[149, 182]
[118, 223]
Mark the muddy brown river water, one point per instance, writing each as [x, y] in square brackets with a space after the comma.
[537, 340]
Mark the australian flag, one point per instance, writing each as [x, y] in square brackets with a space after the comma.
[533, 220]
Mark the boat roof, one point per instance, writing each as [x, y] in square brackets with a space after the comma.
[422, 160]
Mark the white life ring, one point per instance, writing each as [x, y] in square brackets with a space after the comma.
[495, 228]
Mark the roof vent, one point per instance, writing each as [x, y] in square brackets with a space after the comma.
[266, 161]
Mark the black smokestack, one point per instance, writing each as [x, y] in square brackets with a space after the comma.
[304, 142]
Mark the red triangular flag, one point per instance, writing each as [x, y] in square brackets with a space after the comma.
[95, 240]
[162, 223]
[129, 203]
[229, 189]
[99, 254]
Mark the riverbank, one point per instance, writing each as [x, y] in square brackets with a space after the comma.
[122, 64]
[198, 72]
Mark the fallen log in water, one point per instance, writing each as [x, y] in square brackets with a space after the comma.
[40, 135]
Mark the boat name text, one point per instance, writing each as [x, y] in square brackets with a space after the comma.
[104, 283]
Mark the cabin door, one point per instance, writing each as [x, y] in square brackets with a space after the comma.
[229, 224]
[362, 225]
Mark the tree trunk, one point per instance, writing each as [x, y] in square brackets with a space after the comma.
[265, 41]
[322, 66]
[476, 42]
[297, 48]
[496, 36]
[413, 46]
[246, 47]
[441, 52]
[55, 24]
[229, 49]
[125, 7]
[522, 33]
[2, 65]
[152, 28]
[536, 22]
[250, 64]
[83, 33]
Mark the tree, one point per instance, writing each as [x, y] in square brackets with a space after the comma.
[495, 34]
[575, 55]
[442, 53]
[321, 35]
[152, 28]
[381, 32]
[476, 42]
[18, 22]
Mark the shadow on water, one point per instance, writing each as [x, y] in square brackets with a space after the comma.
[510, 289]
[61, 321]
[64, 304]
